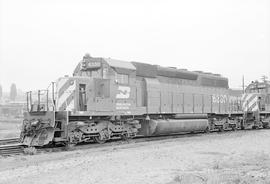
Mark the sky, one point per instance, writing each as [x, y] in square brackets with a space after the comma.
[41, 41]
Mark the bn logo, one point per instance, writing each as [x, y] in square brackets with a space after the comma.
[123, 92]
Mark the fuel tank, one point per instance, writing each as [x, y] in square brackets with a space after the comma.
[190, 116]
[172, 126]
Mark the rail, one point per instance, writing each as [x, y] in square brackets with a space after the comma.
[11, 149]
[9, 141]
[17, 149]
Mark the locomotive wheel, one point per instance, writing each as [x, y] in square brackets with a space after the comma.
[124, 137]
[243, 127]
[266, 125]
[233, 128]
[221, 129]
[207, 130]
[98, 139]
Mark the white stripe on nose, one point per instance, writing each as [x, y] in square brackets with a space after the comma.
[67, 93]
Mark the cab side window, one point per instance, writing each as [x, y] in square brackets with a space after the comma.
[102, 88]
[267, 100]
[82, 97]
[121, 78]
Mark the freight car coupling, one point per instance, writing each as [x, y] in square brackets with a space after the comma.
[110, 99]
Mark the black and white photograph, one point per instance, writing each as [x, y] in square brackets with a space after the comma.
[134, 92]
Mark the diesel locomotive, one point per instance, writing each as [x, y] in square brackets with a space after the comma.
[111, 99]
[256, 104]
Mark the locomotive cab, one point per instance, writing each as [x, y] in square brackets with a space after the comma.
[263, 91]
[256, 104]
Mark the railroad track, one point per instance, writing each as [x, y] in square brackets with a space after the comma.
[137, 140]
[11, 149]
[9, 141]
[16, 149]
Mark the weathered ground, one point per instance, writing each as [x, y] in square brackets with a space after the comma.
[236, 157]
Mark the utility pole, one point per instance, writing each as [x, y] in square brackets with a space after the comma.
[53, 93]
[243, 83]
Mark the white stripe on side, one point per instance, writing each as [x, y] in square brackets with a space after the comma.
[70, 106]
[250, 104]
[60, 83]
[256, 108]
[68, 92]
[248, 97]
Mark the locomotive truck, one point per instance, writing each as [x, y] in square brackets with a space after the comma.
[111, 99]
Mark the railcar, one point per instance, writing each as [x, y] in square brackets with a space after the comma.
[109, 99]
